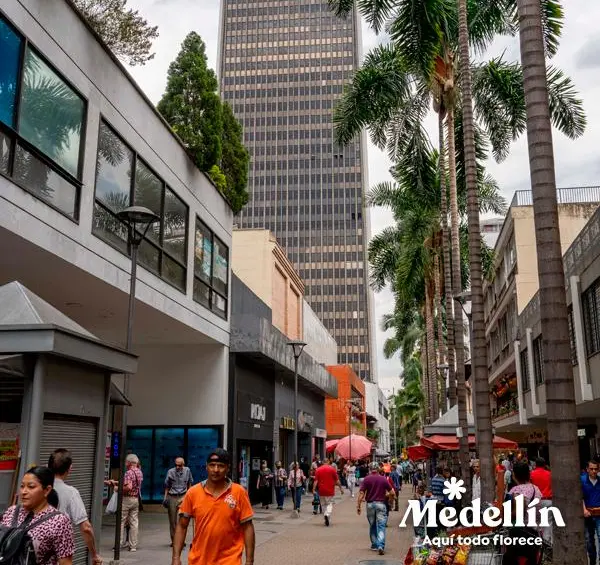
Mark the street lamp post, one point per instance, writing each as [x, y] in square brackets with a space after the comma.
[138, 220]
[297, 348]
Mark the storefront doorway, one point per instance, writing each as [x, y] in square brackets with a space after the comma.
[250, 455]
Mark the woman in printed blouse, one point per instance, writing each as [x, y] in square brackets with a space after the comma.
[52, 538]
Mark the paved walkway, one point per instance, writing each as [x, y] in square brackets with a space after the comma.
[281, 538]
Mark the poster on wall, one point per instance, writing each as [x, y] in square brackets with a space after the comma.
[9, 446]
[256, 463]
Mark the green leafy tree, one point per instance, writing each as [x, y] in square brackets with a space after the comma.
[128, 35]
[192, 105]
[234, 160]
[217, 176]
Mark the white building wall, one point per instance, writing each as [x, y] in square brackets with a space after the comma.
[320, 344]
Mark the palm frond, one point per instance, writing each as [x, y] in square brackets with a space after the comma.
[566, 108]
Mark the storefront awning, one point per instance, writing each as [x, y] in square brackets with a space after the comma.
[418, 452]
[450, 443]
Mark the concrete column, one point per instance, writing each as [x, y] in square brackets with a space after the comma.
[582, 362]
[535, 407]
[520, 399]
[36, 414]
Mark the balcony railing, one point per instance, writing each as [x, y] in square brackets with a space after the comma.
[574, 195]
[586, 243]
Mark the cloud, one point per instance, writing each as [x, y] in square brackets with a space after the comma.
[577, 163]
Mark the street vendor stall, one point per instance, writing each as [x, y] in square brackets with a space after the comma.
[441, 442]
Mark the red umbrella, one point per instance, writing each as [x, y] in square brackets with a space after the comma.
[331, 445]
[418, 452]
[361, 447]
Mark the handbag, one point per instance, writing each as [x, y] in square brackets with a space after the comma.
[111, 507]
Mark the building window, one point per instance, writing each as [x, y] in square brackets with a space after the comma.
[538, 361]
[123, 179]
[524, 371]
[211, 270]
[41, 125]
[590, 300]
[572, 338]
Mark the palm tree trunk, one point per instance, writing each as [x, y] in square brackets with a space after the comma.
[459, 338]
[431, 365]
[447, 265]
[568, 544]
[479, 349]
[441, 348]
[425, 379]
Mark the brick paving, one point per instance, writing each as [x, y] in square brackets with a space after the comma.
[281, 539]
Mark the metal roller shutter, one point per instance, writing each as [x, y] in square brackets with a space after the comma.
[79, 437]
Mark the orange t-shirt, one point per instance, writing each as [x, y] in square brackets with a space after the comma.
[218, 534]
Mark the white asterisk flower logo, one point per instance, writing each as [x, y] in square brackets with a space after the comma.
[454, 488]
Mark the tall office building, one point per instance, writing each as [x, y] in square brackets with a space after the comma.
[282, 66]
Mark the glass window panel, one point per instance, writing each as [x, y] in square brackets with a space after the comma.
[148, 256]
[4, 148]
[221, 259]
[148, 193]
[175, 226]
[201, 293]
[44, 182]
[113, 170]
[173, 272]
[10, 47]
[139, 441]
[51, 114]
[169, 444]
[203, 252]
[201, 441]
[107, 226]
[219, 305]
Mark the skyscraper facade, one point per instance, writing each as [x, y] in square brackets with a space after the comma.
[283, 65]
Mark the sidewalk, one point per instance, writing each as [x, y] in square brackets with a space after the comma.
[281, 538]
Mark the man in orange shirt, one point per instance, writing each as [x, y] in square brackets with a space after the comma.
[222, 516]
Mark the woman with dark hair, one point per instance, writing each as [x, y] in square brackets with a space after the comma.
[50, 531]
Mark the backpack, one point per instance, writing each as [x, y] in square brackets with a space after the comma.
[16, 545]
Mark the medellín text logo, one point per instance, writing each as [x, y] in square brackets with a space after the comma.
[473, 517]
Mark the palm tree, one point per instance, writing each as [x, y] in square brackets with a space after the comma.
[568, 544]
[391, 93]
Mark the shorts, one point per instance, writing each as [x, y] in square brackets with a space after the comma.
[326, 500]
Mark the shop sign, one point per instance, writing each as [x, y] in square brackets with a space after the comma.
[287, 423]
[258, 412]
[320, 433]
[305, 421]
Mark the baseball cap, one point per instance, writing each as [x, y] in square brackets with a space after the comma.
[219, 456]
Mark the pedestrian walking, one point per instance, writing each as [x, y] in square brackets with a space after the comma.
[222, 514]
[70, 501]
[132, 486]
[280, 484]
[50, 530]
[351, 478]
[376, 490]
[326, 479]
[476, 489]
[591, 509]
[397, 482]
[264, 484]
[541, 477]
[178, 481]
[296, 484]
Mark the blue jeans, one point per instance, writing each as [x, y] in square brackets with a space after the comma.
[592, 531]
[280, 495]
[297, 494]
[377, 516]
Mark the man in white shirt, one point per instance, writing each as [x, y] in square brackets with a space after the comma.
[476, 479]
[70, 501]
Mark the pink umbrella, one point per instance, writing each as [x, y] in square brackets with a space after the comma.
[331, 445]
[355, 447]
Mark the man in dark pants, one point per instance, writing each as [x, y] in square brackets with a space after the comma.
[178, 481]
[397, 481]
[591, 509]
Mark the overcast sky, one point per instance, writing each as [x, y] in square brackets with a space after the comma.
[577, 162]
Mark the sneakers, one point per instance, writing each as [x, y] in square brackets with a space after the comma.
[327, 520]
[132, 549]
[381, 551]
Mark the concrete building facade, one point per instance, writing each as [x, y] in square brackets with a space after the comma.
[79, 141]
[507, 297]
[282, 67]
